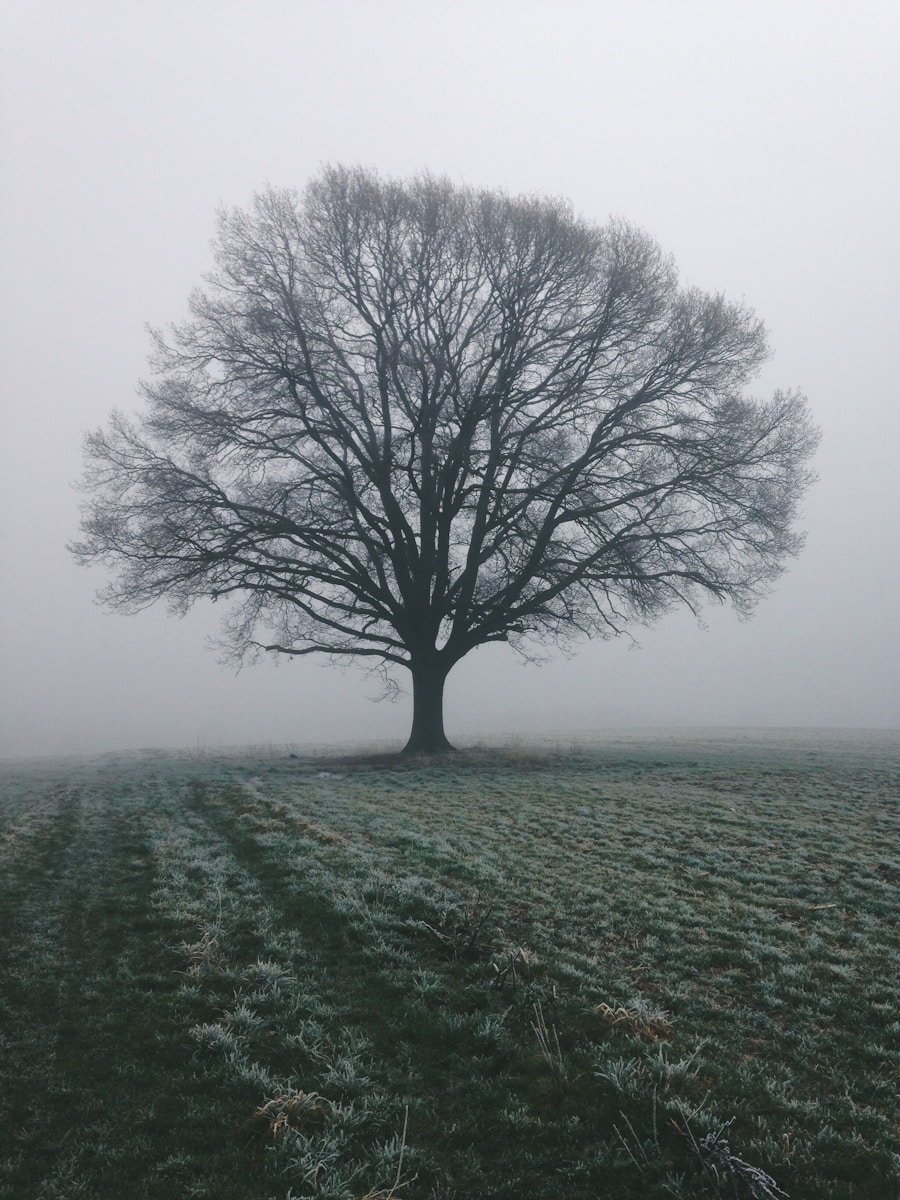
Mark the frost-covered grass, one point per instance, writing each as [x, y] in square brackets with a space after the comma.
[629, 969]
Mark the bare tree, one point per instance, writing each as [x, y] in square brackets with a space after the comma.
[406, 419]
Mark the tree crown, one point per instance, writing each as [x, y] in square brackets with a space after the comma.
[407, 418]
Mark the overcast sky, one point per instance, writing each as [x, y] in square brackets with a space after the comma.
[757, 142]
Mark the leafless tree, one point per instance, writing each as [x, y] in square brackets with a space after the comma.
[405, 419]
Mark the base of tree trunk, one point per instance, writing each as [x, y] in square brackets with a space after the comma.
[427, 735]
[428, 746]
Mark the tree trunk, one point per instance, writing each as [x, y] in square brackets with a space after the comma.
[427, 735]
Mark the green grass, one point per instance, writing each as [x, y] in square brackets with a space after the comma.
[628, 970]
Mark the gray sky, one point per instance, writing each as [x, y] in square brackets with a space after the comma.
[758, 142]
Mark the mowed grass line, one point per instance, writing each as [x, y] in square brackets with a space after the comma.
[625, 973]
[100, 1091]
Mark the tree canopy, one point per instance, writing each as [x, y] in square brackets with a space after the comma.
[404, 419]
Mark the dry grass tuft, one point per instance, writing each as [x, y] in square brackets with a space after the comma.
[298, 1112]
[205, 954]
[651, 1026]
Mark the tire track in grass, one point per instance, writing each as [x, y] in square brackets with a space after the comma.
[31, 845]
[328, 939]
[329, 945]
[308, 1038]
[339, 978]
[99, 1094]
[32, 971]
[414, 1056]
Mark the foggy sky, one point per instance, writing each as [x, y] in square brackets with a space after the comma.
[758, 143]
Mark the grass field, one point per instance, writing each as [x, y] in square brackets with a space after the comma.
[630, 969]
